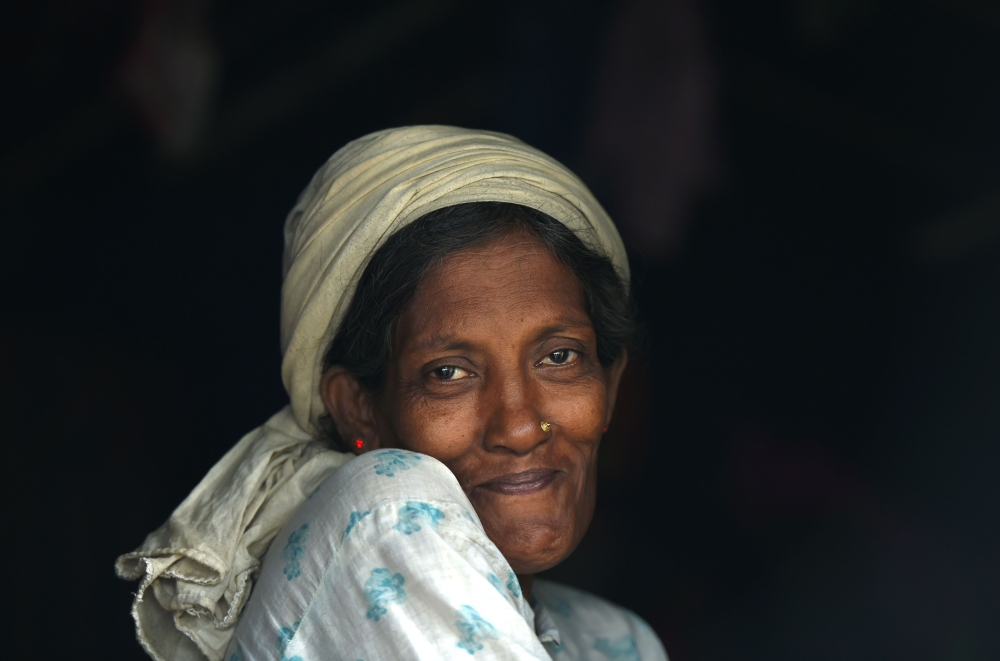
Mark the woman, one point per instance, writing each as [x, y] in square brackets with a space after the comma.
[455, 315]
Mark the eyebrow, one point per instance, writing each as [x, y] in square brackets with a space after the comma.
[562, 326]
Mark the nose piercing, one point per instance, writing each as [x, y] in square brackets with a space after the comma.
[546, 426]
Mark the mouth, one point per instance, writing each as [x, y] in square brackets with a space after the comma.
[517, 484]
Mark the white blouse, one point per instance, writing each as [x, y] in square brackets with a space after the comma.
[387, 561]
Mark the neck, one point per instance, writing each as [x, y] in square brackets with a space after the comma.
[526, 581]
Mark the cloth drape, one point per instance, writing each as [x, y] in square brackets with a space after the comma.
[197, 569]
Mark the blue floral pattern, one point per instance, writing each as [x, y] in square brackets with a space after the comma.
[472, 629]
[294, 550]
[495, 582]
[514, 585]
[391, 461]
[622, 649]
[355, 517]
[413, 512]
[285, 635]
[363, 563]
[381, 589]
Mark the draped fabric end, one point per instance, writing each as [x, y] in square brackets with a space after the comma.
[190, 594]
[197, 570]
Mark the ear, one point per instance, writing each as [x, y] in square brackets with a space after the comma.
[614, 372]
[351, 406]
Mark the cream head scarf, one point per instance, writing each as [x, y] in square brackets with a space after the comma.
[197, 569]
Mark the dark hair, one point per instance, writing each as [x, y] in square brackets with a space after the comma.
[363, 343]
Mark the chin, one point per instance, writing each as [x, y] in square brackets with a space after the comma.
[538, 531]
[532, 548]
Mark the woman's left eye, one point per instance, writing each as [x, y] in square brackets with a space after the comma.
[560, 357]
[448, 373]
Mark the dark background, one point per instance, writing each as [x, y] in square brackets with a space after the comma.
[804, 464]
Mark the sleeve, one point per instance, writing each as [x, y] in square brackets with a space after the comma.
[404, 571]
[591, 627]
[647, 643]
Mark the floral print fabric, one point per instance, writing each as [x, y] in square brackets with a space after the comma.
[387, 561]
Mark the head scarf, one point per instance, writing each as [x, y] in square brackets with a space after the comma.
[197, 569]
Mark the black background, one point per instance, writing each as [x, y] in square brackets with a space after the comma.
[804, 463]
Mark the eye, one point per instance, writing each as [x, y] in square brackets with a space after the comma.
[560, 357]
[448, 373]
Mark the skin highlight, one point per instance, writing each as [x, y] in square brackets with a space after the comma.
[496, 340]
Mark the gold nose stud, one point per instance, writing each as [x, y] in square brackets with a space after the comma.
[546, 426]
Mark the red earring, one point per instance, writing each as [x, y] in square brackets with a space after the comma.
[359, 443]
[605, 428]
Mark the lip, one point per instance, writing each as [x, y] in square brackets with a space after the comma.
[519, 484]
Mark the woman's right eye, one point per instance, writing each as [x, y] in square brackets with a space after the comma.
[448, 373]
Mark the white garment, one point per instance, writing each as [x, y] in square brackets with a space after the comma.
[387, 561]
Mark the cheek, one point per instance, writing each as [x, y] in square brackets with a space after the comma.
[444, 430]
[580, 410]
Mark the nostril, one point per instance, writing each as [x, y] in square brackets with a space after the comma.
[519, 436]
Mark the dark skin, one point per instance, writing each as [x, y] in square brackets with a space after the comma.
[496, 340]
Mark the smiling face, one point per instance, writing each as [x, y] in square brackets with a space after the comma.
[495, 341]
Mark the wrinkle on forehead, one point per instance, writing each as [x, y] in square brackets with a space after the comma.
[447, 340]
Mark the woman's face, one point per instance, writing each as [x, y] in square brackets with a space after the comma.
[495, 341]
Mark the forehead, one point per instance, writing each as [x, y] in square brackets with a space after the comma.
[503, 288]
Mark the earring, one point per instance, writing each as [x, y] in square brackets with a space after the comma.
[359, 443]
[605, 428]
[546, 426]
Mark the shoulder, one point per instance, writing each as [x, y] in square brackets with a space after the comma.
[385, 518]
[386, 558]
[566, 602]
[596, 627]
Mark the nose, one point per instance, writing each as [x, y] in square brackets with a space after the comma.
[512, 421]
